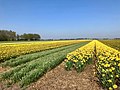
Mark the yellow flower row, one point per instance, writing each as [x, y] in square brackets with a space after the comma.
[8, 51]
[108, 65]
[80, 57]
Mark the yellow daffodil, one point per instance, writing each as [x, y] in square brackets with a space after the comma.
[109, 80]
[110, 88]
[75, 60]
[117, 76]
[103, 75]
[115, 86]
[119, 64]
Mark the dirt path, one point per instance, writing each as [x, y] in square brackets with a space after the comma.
[60, 79]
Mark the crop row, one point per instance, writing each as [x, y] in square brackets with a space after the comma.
[24, 74]
[8, 51]
[30, 57]
[106, 60]
[108, 66]
[80, 57]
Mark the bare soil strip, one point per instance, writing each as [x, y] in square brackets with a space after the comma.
[2, 69]
[60, 79]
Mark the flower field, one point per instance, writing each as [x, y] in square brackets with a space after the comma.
[11, 50]
[107, 62]
[26, 69]
[80, 57]
[33, 60]
[108, 65]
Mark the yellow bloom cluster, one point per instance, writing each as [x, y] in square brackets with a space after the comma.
[107, 62]
[108, 65]
[8, 51]
[80, 57]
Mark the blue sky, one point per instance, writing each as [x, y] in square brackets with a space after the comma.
[62, 18]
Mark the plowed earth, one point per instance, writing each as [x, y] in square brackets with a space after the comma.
[60, 79]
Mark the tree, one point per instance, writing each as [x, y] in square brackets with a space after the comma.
[30, 36]
[6, 35]
[10, 35]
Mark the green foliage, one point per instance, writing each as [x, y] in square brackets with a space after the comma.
[30, 36]
[69, 65]
[79, 66]
[32, 76]
[11, 72]
[30, 57]
[36, 65]
[6, 35]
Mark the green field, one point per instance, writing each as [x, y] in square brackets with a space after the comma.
[28, 68]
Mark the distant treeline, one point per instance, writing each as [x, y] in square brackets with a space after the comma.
[82, 39]
[9, 35]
